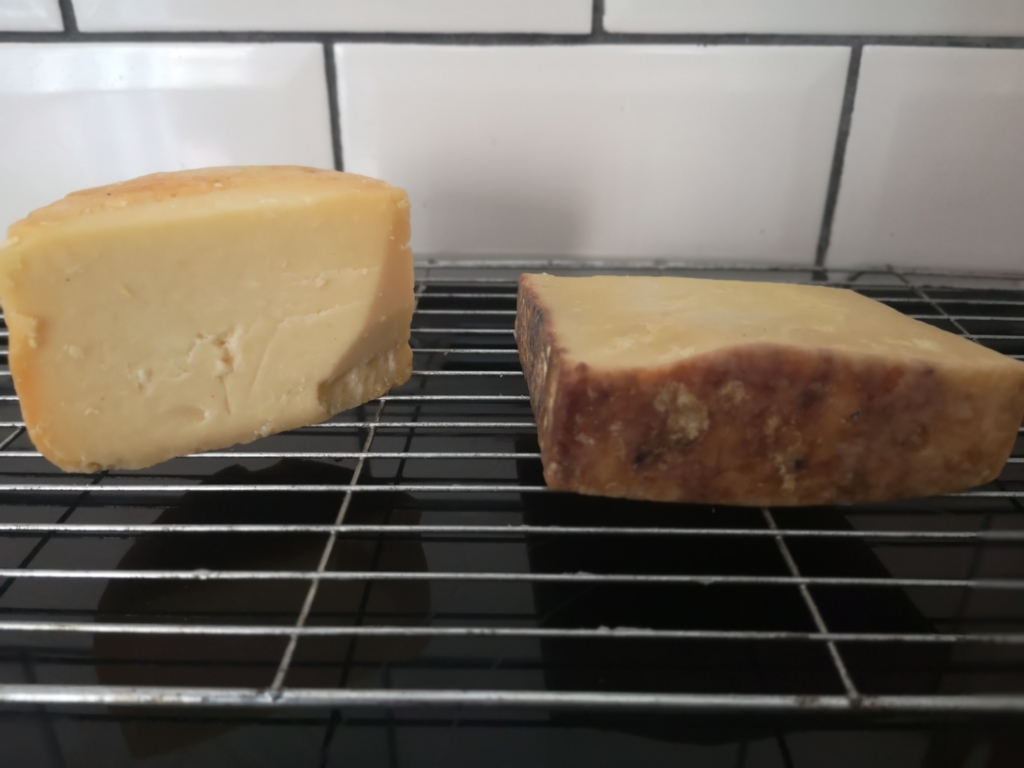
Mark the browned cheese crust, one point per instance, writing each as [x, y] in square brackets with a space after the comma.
[763, 424]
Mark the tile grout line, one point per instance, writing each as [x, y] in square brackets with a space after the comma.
[839, 155]
[599, 36]
[67, 15]
[331, 72]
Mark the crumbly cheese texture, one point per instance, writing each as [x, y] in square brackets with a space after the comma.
[727, 392]
[184, 312]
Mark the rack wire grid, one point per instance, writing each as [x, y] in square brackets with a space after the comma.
[407, 554]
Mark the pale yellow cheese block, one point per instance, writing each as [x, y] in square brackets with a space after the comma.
[728, 392]
[184, 312]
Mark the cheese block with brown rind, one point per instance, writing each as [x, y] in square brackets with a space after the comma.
[756, 394]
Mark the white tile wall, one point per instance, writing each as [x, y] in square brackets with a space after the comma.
[80, 115]
[934, 170]
[551, 16]
[695, 152]
[911, 17]
[30, 16]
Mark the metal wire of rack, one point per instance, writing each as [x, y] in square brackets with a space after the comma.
[413, 540]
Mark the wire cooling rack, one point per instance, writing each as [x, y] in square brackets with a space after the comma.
[407, 553]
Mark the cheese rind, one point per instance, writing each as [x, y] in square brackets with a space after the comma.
[190, 311]
[756, 394]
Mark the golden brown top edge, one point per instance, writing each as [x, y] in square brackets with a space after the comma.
[159, 188]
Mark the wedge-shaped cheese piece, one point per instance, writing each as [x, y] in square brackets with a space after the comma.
[722, 392]
[189, 311]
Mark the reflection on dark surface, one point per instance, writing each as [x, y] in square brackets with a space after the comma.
[877, 668]
[759, 667]
[252, 661]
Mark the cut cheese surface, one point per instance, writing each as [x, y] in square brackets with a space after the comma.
[189, 311]
[755, 394]
[620, 322]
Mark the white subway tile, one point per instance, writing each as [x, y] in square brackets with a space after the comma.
[649, 151]
[882, 17]
[85, 114]
[546, 16]
[30, 16]
[934, 170]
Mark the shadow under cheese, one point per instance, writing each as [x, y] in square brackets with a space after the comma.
[251, 662]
